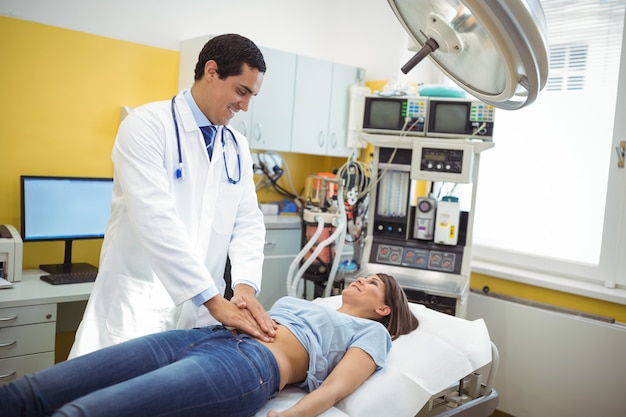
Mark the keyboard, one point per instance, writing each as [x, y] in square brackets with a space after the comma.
[70, 277]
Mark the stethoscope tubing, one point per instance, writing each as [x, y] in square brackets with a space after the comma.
[179, 171]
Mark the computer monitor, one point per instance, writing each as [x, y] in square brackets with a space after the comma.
[67, 209]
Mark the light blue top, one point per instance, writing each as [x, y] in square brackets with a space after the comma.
[327, 334]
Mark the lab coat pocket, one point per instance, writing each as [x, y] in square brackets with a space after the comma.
[136, 309]
[227, 207]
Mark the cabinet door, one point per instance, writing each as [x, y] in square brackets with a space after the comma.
[19, 366]
[281, 248]
[267, 123]
[189, 51]
[344, 77]
[274, 284]
[311, 106]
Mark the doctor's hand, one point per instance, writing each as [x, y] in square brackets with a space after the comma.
[229, 314]
[244, 297]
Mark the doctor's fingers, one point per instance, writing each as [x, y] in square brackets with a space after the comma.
[250, 325]
[229, 314]
[239, 301]
[263, 319]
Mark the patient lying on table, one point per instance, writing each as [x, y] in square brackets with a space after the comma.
[221, 372]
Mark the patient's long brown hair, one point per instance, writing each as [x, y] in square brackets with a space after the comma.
[401, 320]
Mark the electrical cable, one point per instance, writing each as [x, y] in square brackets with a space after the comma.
[282, 191]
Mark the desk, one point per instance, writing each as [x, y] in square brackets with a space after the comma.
[28, 322]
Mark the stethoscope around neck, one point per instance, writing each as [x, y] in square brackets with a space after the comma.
[179, 171]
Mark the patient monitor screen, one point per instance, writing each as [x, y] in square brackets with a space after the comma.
[56, 208]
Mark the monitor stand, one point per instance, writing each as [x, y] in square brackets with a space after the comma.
[67, 266]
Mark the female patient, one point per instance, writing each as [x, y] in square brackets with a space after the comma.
[215, 371]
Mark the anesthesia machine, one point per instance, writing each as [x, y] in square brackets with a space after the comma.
[425, 167]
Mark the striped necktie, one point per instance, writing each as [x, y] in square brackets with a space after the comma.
[209, 135]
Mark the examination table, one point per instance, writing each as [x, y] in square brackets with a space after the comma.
[444, 368]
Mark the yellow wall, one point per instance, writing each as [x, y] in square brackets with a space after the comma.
[62, 94]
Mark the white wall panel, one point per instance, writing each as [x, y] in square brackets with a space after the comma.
[554, 364]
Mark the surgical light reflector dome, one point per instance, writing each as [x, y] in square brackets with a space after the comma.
[495, 50]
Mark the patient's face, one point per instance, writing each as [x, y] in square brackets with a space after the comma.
[369, 290]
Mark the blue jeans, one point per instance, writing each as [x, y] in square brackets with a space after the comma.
[198, 372]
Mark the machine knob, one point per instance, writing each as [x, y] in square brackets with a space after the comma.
[433, 300]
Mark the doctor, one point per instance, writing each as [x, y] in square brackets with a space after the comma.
[178, 213]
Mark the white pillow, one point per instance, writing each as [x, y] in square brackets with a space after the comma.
[441, 351]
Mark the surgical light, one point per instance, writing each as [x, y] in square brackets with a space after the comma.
[496, 50]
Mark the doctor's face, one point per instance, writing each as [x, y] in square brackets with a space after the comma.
[222, 98]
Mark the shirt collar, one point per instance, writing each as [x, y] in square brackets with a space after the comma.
[200, 118]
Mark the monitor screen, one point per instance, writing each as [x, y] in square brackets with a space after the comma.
[384, 114]
[449, 117]
[64, 208]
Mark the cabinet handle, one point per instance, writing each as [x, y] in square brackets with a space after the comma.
[258, 132]
[7, 344]
[320, 139]
[13, 317]
[273, 242]
[7, 375]
[244, 127]
[333, 140]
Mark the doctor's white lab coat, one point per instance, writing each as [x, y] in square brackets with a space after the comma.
[167, 240]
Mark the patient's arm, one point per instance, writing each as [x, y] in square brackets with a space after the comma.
[355, 367]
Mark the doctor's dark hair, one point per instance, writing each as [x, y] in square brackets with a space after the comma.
[230, 52]
[401, 320]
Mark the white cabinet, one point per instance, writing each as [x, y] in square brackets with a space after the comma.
[189, 51]
[27, 335]
[344, 77]
[267, 123]
[282, 244]
[321, 107]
